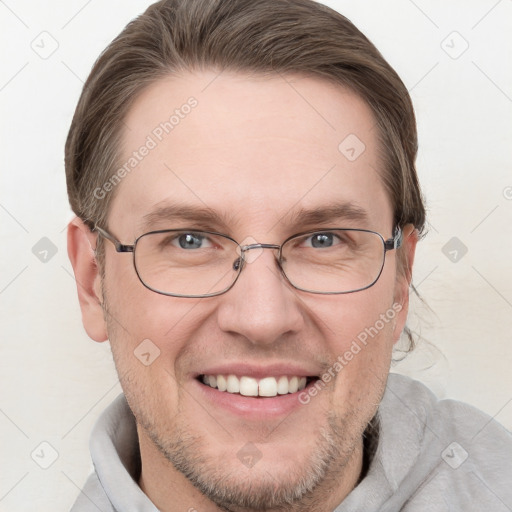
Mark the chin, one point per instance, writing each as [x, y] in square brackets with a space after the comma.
[255, 476]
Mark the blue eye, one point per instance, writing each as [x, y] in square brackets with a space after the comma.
[322, 240]
[191, 241]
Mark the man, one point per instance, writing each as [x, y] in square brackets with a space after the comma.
[247, 216]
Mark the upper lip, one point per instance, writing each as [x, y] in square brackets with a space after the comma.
[259, 371]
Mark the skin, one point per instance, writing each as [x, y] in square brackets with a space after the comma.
[255, 152]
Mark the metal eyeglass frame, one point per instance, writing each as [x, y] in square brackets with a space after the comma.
[390, 244]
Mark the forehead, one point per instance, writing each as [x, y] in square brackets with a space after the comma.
[253, 150]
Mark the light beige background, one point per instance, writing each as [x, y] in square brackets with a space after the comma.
[55, 381]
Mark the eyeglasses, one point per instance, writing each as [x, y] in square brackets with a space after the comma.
[191, 263]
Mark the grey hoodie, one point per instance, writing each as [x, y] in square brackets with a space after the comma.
[431, 455]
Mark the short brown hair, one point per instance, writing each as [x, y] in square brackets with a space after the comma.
[256, 36]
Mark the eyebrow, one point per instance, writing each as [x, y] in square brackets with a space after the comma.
[208, 219]
[336, 212]
[197, 216]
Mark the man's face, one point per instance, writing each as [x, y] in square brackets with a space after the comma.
[258, 152]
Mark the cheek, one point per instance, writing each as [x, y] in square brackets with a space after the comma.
[362, 316]
[367, 339]
[139, 312]
[141, 324]
[358, 329]
[150, 333]
[361, 365]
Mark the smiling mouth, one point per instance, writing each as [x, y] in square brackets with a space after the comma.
[257, 388]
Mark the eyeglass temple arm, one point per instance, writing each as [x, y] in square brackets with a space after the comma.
[117, 244]
[395, 242]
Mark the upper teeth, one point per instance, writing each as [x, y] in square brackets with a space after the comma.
[248, 386]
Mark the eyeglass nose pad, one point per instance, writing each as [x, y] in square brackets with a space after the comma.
[238, 263]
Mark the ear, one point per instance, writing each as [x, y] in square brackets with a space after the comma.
[404, 277]
[81, 244]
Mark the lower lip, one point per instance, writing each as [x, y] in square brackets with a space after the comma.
[251, 407]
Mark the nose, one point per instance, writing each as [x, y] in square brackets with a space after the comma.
[262, 306]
